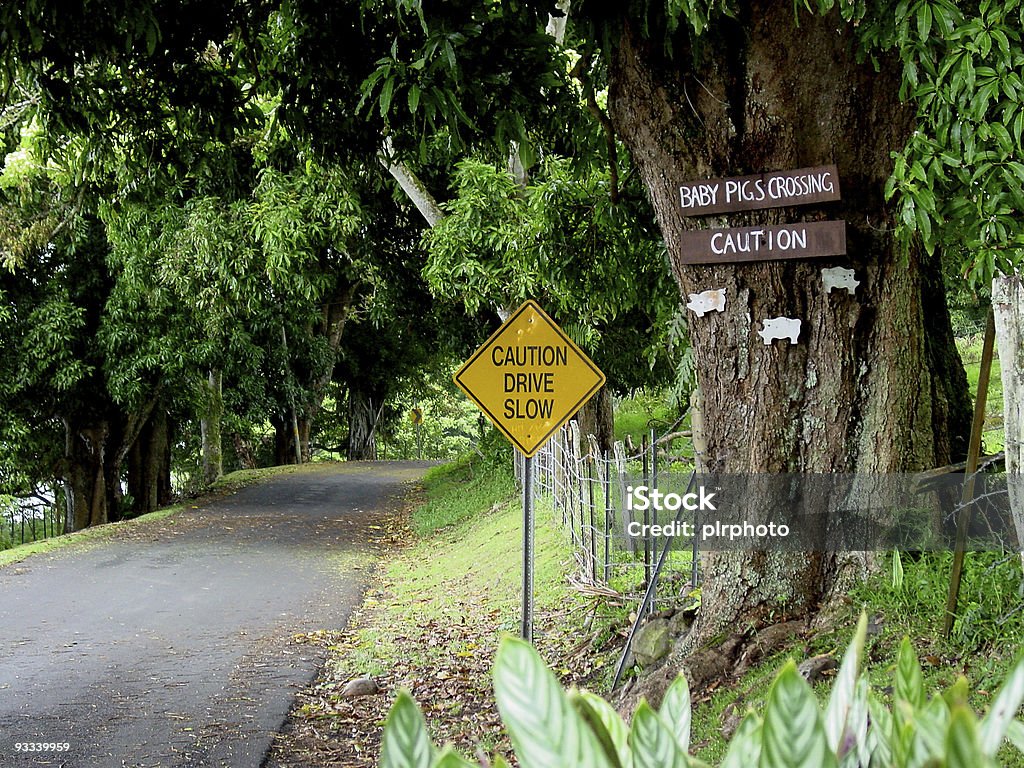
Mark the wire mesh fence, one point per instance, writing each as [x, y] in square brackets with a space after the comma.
[588, 490]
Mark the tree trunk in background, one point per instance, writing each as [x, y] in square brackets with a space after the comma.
[243, 451]
[210, 426]
[305, 427]
[149, 465]
[874, 384]
[362, 426]
[88, 452]
[332, 325]
[1008, 306]
[284, 439]
[597, 418]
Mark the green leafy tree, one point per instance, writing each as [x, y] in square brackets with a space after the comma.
[597, 265]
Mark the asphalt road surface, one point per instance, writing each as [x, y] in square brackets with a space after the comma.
[173, 644]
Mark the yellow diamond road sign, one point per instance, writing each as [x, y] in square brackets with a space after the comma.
[529, 378]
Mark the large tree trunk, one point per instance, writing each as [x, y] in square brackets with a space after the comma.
[284, 439]
[597, 418]
[88, 454]
[874, 384]
[332, 325]
[149, 465]
[363, 412]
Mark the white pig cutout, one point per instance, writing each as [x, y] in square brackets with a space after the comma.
[780, 328]
[702, 303]
[839, 277]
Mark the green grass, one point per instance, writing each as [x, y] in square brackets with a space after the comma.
[458, 491]
[970, 352]
[636, 415]
[466, 558]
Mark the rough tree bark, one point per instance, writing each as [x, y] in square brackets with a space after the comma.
[597, 418]
[149, 465]
[874, 384]
[88, 454]
[363, 411]
[108, 446]
[284, 449]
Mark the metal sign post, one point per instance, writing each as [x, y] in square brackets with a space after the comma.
[528, 378]
[526, 631]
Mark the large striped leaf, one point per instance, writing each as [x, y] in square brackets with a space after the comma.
[676, 711]
[793, 735]
[963, 749]
[855, 750]
[609, 728]
[546, 729]
[652, 742]
[745, 746]
[837, 713]
[931, 727]
[449, 758]
[406, 743]
[881, 734]
[1015, 733]
[909, 684]
[1004, 710]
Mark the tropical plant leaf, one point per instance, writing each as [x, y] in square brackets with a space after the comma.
[406, 743]
[963, 749]
[1015, 733]
[546, 730]
[793, 733]
[1004, 709]
[676, 709]
[449, 758]
[880, 735]
[652, 742]
[909, 684]
[854, 750]
[837, 712]
[745, 746]
[609, 728]
[931, 728]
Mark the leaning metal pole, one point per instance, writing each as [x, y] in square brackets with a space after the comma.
[652, 586]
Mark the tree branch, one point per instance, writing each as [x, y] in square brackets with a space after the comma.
[581, 74]
[411, 185]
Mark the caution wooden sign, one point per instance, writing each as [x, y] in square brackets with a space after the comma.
[529, 378]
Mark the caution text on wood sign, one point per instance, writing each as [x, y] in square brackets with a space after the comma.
[529, 378]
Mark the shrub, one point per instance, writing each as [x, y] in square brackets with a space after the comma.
[551, 728]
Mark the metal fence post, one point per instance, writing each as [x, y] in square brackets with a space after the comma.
[607, 516]
[592, 454]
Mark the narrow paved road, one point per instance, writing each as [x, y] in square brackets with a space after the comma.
[172, 644]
